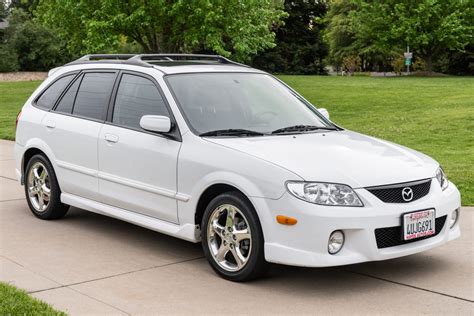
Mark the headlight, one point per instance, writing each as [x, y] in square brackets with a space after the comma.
[442, 179]
[324, 193]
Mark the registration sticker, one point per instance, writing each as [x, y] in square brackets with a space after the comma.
[418, 224]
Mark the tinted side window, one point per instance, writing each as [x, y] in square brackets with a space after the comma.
[67, 101]
[93, 95]
[49, 97]
[137, 96]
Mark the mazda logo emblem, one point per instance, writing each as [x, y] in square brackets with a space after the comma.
[407, 194]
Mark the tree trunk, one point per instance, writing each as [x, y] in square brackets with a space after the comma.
[429, 62]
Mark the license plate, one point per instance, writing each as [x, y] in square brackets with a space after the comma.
[418, 224]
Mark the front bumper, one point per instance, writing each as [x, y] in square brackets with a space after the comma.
[306, 243]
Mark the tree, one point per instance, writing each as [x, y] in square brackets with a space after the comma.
[340, 35]
[237, 28]
[3, 9]
[430, 27]
[300, 48]
[29, 45]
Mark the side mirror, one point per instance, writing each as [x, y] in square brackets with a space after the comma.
[155, 123]
[324, 112]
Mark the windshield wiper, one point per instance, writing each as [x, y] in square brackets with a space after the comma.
[232, 132]
[301, 128]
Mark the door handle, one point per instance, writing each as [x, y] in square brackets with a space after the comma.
[111, 138]
[50, 124]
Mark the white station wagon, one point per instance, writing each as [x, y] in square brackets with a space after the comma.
[209, 150]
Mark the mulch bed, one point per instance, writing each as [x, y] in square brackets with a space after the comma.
[22, 76]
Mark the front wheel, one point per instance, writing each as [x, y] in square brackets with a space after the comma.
[232, 238]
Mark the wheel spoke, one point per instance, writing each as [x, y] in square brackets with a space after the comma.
[40, 202]
[46, 195]
[32, 191]
[239, 258]
[217, 228]
[242, 235]
[36, 173]
[220, 256]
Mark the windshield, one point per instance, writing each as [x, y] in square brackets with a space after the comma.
[241, 101]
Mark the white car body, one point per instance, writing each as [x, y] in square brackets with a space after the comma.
[157, 182]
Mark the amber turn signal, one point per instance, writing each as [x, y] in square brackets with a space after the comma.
[285, 220]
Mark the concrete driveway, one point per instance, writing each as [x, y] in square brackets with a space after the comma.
[91, 264]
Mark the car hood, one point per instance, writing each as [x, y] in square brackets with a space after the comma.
[338, 157]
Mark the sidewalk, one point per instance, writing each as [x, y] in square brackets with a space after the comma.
[91, 264]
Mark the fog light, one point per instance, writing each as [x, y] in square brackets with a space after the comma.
[454, 218]
[336, 241]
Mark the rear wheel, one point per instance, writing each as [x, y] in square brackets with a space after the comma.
[232, 238]
[42, 189]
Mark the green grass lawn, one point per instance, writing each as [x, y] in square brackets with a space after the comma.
[17, 302]
[432, 115]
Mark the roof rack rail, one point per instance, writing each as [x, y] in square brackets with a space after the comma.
[148, 60]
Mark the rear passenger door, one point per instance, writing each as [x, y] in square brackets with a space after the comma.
[137, 168]
[72, 131]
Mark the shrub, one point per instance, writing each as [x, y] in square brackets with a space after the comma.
[351, 64]
[8, 59]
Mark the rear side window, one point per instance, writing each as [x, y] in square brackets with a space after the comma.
[137, 96]
[51, 94]
[93, 95]
[67, 101]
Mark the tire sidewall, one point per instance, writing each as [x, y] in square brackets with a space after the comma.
[256, 259]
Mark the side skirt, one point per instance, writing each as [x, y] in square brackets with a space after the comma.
[187, 232]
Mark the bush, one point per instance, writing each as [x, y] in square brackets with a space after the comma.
[8, 59]
[351, 64]
[37, 47]
[398, 64]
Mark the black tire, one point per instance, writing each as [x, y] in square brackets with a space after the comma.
[54, 208]
[255, 266]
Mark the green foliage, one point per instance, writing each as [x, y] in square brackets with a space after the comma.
[36, 47]
[3, 9]
[378, 30]
[430, 27]
[229, 28]
[351, 63]
[8, 59]
[398, 64]
[340, 34]
[300, 48]
[17, 302]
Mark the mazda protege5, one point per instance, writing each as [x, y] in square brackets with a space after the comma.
[208, 150]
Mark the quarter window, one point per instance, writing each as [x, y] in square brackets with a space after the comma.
[67, 101]
[49, 97]
[136, 97]
[93, 95]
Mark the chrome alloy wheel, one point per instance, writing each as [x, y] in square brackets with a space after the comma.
[39, 189]
[229, 237]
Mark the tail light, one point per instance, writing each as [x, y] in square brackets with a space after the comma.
[17, 119]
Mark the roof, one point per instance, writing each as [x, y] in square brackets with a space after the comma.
[167, 63]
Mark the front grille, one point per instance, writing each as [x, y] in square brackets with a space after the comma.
[393, 193]
[393, 236]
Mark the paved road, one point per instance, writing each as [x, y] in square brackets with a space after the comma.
[91, 264]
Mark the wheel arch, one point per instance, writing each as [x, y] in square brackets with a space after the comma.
[210, 193]
[35, 147]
